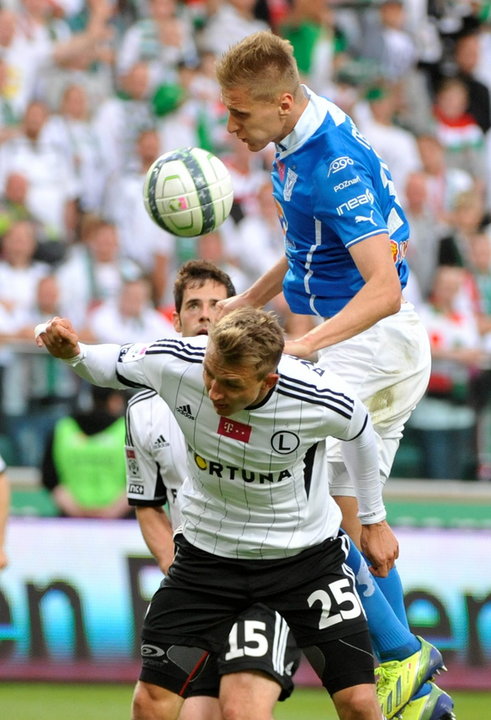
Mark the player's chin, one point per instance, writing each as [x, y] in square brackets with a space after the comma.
[255, 145]
[222, 410]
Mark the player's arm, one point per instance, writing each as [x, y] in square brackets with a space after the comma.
[379, 297]
[261, 292]
[157, 532]
[94, 363]
[360, 455]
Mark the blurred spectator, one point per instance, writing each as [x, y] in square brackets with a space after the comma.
[141, 239]
[388, 41]
[71, 131]
[190, 112]
[395, 145]
[259, 239]
[213, 247]
[94, 270]
[121, 118]
[247, 172]
[480, 267]
[232, 21]
[19, 272]
[468, 216]
[457, 129]
[426, 232]
[445, 419]
[13, 204]
[52, 181]
[444, 183]
[36, 392]
[29, 50]
[4, 511]
[83, 465]
[163, 39]
[8, 118]
[319, 45]
[466, 58]
[130, 316]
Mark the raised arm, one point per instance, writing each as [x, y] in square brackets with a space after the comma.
[261, 292]
[94, 363]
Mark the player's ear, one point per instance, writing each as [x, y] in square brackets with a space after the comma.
[285, 103]
[270, 380]
[176, 321]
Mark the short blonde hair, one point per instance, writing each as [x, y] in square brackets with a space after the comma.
[261, 62]
[247, 336]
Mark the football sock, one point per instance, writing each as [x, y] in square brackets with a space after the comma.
[391, 587]
[391, 639]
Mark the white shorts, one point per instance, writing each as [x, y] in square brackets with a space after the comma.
[388, 366]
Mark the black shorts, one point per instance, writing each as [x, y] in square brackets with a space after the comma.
[203, 595]
[259, 640]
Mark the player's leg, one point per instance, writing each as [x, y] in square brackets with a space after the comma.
[257, 664]
[390, 586]
[200, 708]
[186, 624]
[248, 696]
[391, 638]
[315, 593]
[151, 702]
[402, 654]
[345, 668]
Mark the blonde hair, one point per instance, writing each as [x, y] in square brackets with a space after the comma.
[261, 62]
[247, 336]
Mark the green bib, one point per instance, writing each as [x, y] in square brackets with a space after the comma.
[91, 467]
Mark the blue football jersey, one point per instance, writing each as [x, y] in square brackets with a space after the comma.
[332, 190]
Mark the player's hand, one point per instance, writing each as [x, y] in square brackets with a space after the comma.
[380, 546]
[233, 303]
[300, 348]
[59, 338]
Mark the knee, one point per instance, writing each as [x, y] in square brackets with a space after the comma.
[151, 702]
[358, 703]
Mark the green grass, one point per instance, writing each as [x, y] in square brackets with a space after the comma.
[44, 701]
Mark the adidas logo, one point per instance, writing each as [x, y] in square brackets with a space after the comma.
[186, 411]
[160, 442]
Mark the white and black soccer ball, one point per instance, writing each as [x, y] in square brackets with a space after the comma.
[188, 192]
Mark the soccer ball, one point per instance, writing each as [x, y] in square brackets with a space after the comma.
[188, 192]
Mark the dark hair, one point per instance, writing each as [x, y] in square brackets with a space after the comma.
[196, 273]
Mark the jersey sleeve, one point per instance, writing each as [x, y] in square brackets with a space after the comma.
[144, 482]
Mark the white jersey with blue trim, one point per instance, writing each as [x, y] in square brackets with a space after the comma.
[155, 450]
[332, 190]
[258, 483]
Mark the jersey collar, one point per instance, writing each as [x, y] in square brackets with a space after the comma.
[309, 121]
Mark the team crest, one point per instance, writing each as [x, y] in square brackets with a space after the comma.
[291, 179]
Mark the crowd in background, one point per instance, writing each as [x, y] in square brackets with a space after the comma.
[91, 92]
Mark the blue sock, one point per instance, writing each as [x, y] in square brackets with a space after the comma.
[391, 639]
[423, 690]
[391, 587]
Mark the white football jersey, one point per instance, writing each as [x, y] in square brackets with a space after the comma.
[257, 484]
[155, 454]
